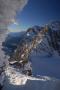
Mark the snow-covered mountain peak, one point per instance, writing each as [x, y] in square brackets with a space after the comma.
[55, 25]
[35, 52]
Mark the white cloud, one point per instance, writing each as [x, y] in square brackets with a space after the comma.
[8, 9]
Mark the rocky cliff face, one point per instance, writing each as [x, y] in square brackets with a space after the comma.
[41, 39]
[54, 33]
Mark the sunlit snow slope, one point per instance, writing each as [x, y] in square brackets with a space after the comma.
[17, 81]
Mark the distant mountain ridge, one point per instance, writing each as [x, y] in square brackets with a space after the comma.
[14, 39]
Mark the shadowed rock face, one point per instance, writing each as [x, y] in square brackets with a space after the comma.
[1, 87]
[54, 33]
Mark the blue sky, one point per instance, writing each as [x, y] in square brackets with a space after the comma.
[37, 12]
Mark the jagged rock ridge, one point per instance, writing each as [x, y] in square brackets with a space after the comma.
[42, 39]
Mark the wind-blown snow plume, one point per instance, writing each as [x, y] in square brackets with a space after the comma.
[8, 11]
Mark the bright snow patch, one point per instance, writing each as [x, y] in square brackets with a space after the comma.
[16, 78]
[18, 81]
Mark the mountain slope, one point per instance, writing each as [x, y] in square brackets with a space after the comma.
[17, 81]
[41, 47]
